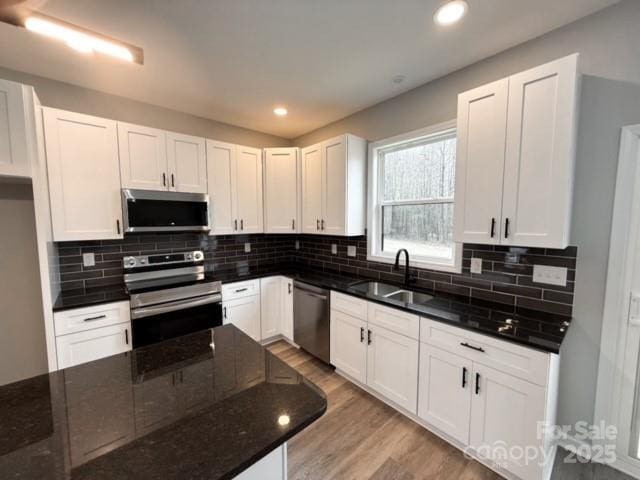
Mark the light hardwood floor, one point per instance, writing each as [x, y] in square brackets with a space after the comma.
[362, 438]
[359, 437]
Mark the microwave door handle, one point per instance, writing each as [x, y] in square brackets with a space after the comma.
[173, 306]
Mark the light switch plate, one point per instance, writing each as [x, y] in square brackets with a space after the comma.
[247, 247]
[88, 259]
[550, 275]
[334, 249]
[351, 251]
[476, 265]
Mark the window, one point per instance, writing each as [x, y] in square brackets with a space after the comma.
[412, 189]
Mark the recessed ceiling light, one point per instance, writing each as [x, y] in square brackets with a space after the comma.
[398, 79]
[82, 40]
[280, 111]
[450, 12]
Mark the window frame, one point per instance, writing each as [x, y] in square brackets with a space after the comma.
[375, 204]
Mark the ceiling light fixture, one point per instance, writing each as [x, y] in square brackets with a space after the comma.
[450, 12]
[81, 40]
[280, 111]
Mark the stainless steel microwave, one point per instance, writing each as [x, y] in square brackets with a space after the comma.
[161, 211]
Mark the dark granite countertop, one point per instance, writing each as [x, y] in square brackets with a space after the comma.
[540, 330]
[175, 410]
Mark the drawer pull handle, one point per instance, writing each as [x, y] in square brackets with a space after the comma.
[368, 337]
[224, 312]
[91, 319]
[477, 349]
[241, 290]
[361, 334]
[126, 336]
[464, 377]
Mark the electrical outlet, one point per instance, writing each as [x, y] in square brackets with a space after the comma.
[476, 265]
[88, 259]
[550, 275]
[297, 245]
[351, 251]
[247, 247]
[334, 249]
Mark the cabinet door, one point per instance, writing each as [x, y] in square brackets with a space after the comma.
[281, 190]
[249, 189]
[187, 161]
[271, 306]
[334, 186]
[540, 155]
[221, 174]
[143, 157]
[311, 189]
[392, 366]
[100, 408]
[14, 160]
[482, 120]
[77, 348]
[287, 308]
[244, 313]
[444, 396]
[348, 345]
[84, 176]
[505, 410]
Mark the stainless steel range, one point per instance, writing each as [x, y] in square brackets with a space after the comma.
[170, 296]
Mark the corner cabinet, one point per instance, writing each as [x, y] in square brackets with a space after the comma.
[84, 176]
[152, 159]
[235, 188]
[515, 157]
[281, 190]
[334, 186]
[14, 150]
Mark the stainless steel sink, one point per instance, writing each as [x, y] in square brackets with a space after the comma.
[374, 288]
[392, 292]
[407, 296]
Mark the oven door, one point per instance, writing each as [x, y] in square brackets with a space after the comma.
[152, 211]
[156, 323]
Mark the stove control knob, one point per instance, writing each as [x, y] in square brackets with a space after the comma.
[130, 262]
[197, 256]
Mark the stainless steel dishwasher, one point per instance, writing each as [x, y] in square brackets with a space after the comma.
[311, 327]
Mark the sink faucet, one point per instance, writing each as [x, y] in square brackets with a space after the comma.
[407, 274]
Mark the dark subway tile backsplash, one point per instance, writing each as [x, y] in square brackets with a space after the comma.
[506, 276]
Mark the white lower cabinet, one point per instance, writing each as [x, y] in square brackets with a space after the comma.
[505, 411]
[348, 345]
[272, 466]
[286, 326]
[244, 313]
[90, 333]
[445, 391]
[271, 306]
[392, 366]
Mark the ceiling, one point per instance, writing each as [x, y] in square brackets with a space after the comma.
[234, 60]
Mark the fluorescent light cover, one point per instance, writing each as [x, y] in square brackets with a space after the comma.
[450, 12]
[280, 111]
[77, 40]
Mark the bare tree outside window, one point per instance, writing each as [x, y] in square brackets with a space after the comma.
[417, 182]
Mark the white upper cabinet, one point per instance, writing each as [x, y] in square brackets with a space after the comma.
[281, 190]
[84, 176]
[249, 189]
[221, 173]
[187, 160]
[540, 152]
[143, 157]
[516, 151]
[311, 188]
[14, 152]
[235, 188]
[480, 162]
[333, 186]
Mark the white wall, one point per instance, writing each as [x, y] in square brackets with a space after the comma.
[610, 59]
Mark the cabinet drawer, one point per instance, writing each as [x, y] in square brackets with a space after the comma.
[83, 347]
[88, 318]
[395, 320]
[353, 306]
[240, 289]
[525, 363]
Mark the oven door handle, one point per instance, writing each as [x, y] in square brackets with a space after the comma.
[173, 306]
